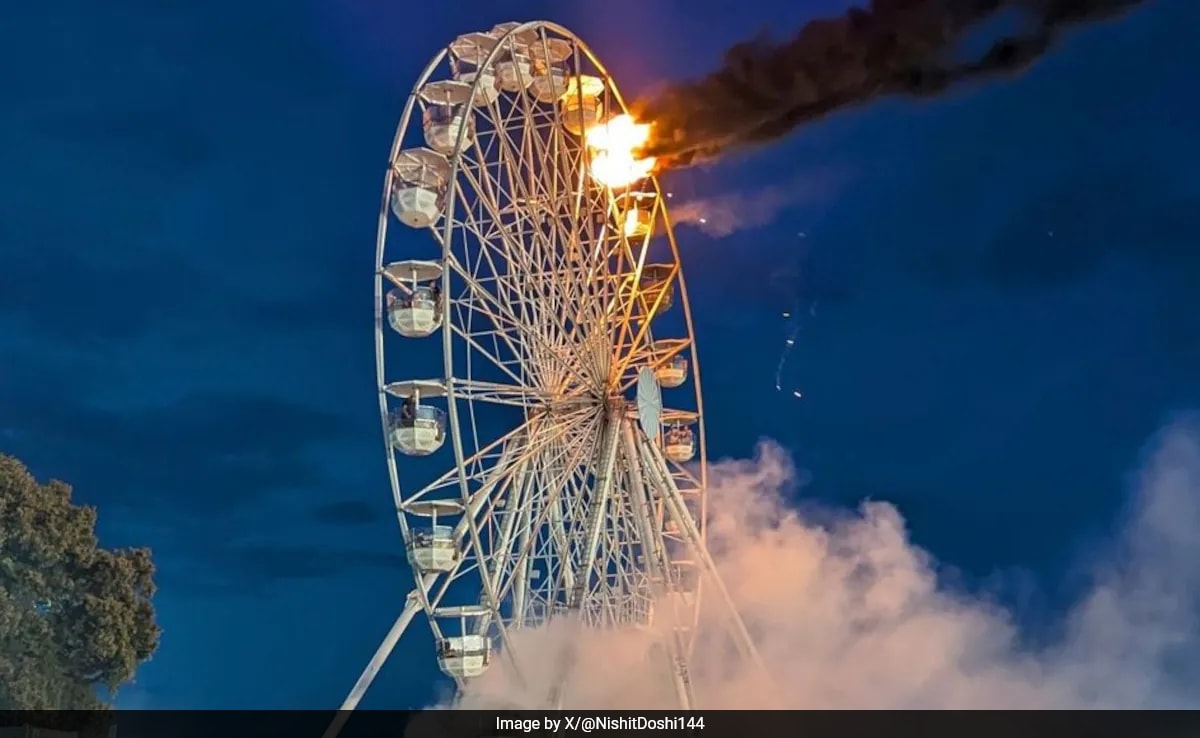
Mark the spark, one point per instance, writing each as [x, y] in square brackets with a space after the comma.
[789, 344]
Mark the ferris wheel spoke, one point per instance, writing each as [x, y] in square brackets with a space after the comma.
[639, 341]
[519, 548]
[547, 541]
[534, 144]
[531, 350]
[503, 394]
[658, 471]
[484, 513]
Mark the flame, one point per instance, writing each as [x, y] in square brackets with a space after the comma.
[613, 144]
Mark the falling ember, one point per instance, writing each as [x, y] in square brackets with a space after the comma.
[613, 144]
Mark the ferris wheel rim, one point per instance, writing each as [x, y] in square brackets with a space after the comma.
[453, 395]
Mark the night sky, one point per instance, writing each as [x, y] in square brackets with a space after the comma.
[995, 297]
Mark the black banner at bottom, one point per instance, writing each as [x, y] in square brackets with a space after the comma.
[516, 724]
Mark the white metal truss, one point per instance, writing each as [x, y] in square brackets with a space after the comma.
[542, 286]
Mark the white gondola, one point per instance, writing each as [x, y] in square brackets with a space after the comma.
[415, 428]
[434, 548]
[418, 191]
[635, 214]
[581, 106]
[515, 68]
[679, 443]
[446, 113]
[414, 308]
[463, 657]
[468, 655]
[470, 51]
[549, 78]
[548, 85]
[656, 280]
[488, 90]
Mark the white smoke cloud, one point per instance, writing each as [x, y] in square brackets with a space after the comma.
[850, 614]
[721, 215]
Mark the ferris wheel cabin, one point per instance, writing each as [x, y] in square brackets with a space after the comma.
[679, 443]
[446, 114]
[515, 66]
[656, 280]
[468, 655]
[419, 179]
[635, 214]
[673, 373]
[549, 56]
[465, 656]
[580, 106]
[469, 52]
[416, 428]
[434, 548]
[414, 308]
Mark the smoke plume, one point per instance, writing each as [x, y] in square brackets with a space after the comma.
[764, 89]
[721, 215]
[851, 614]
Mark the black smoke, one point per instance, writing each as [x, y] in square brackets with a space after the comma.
[765, 89]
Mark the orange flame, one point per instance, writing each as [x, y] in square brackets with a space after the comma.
[613, 144]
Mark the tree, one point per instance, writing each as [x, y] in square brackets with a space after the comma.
[76, 620]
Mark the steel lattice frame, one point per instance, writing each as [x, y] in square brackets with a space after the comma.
[566, 504]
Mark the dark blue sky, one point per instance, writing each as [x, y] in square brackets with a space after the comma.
[1006, 287]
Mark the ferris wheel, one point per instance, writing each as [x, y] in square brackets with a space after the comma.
[538, 383]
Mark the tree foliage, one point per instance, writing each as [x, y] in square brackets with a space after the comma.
[76, 620]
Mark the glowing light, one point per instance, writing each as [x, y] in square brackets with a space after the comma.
[632, 224]
[613, 145]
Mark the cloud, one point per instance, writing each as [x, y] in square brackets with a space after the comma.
[251, 568]
[850, 613]
[348, 513]
[202, 453]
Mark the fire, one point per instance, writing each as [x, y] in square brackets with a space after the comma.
[613, 144]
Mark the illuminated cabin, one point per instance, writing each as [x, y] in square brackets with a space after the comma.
[419, 180]
[416, 428]
[414, 308]
[657, 279]
[468, 655]
[635, 214]
[470, 51]
[580, 106]
[434, 548]
[679, 443]
[514, 69]
[446, 114]
[673, 373]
